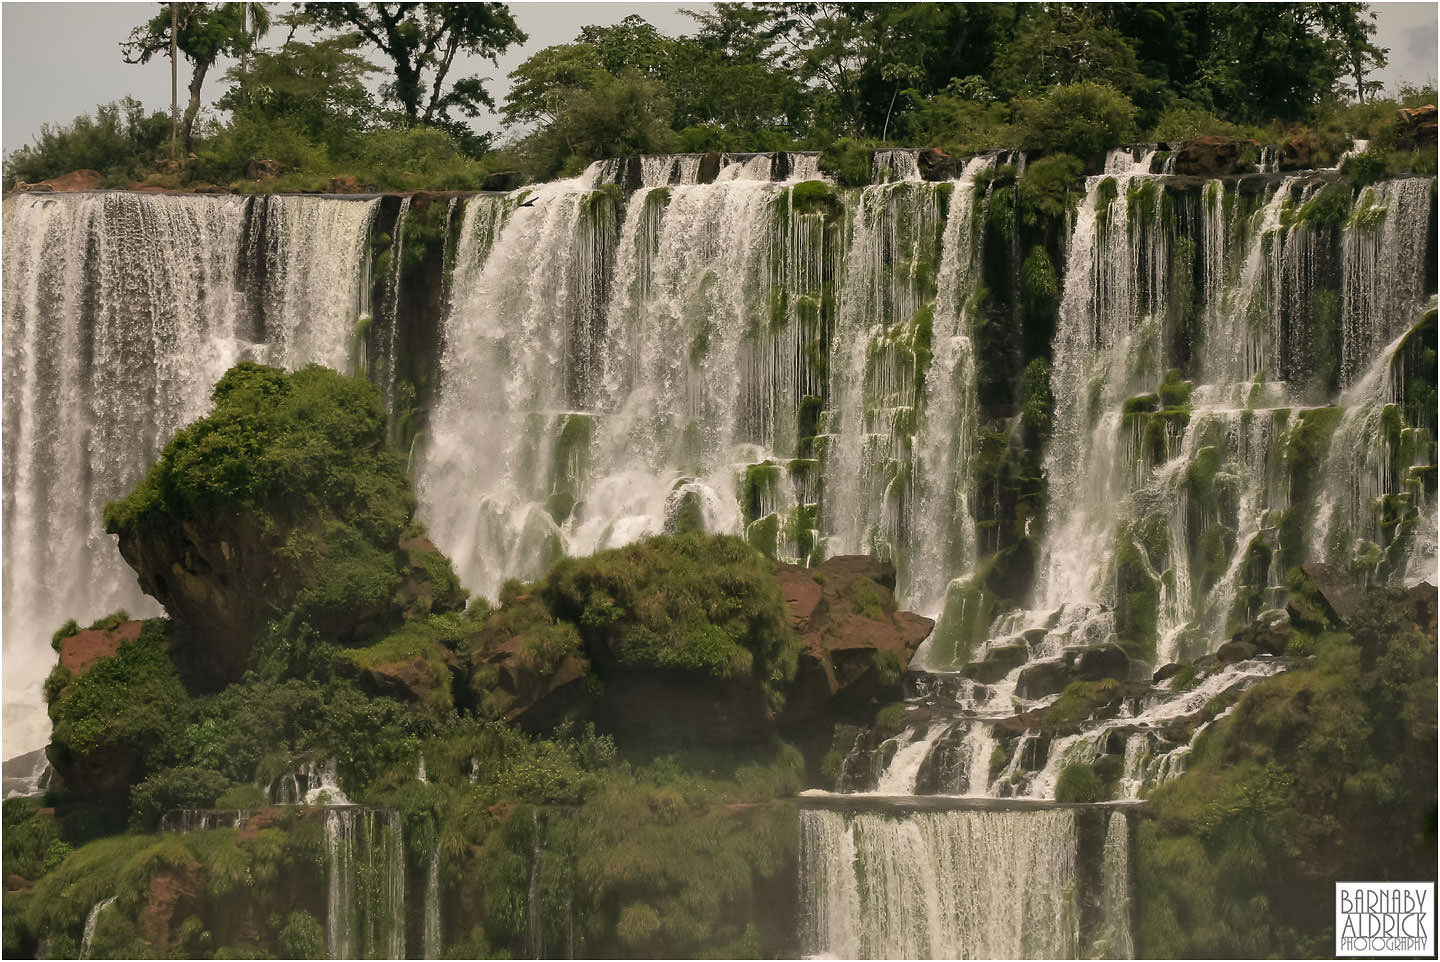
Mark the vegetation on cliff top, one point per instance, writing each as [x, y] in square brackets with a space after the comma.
[767, 76]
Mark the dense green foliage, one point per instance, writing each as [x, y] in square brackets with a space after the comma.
[691, 603]
[763, 76]
[1324, 772]
[280, 443]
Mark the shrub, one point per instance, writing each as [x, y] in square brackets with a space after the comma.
[694, 602]
[847, 162]
[117, 142]
[1082, 119]
[1079, 783]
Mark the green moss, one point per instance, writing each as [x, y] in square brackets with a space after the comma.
[1317, 759]
[998, 663]
[865, 598]
[1175, 391]
[1106, 193]
[1306, 448]
[1039, 285]
[847, 163]
[1050, 188]
[67, 630]
[964, 623]
[1039, 402]
[1079, 783]
[1137, 598]
[817, 197]
[763, 534]
[760, 489]
[1328, 209]
[131, 702]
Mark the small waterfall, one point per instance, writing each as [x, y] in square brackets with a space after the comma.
[185, 820]
[1115, 941]
[1384, 253]
[389, 322]
[893, 165]
[365, 850]
[885, 307]
[433, 933]
[91, 921]
[968, 884]
[942, 542]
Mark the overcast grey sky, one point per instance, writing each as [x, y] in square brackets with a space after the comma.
[61, 59]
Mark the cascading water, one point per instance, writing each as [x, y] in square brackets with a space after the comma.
[947, 884]
[120, 313]
[87, 939]
[722, 342]
[365, 849]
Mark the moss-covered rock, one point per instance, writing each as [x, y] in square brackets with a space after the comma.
[285, 500]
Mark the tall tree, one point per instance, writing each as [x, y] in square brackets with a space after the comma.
[203, 33]
[421, 40]
[1351, 27]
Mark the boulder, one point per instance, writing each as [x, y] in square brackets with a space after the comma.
[935, 164]
[997, 663]
[1415, 128]
[1043, 678]
[345, 185]
[709, 167]
[1337, 589]
[1312, 149]
[253, 553]
[265, 169]
[1099, 662]
[847, 623]
[417, 680]
[75, 180]
[175, 893]
[1420, 606]
[1216, 156]
[502, 180]
[1235, 651]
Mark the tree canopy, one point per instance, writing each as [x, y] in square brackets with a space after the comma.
[750, 77]
[421, 41]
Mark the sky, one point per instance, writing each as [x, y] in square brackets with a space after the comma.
[58, 60]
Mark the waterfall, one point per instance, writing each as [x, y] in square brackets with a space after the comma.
[120, 313]
[365, 852]
[966, 884]
[433, 933]
[91, 921]
[1115, 941]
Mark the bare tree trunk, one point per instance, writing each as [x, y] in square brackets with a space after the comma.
[174, 79]
[187, 126]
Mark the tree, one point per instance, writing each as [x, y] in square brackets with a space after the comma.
[421, 41]
[1350, 27]
[541, 85]
[317, 86]
[203, 33]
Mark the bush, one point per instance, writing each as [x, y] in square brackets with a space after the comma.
[694, 603]
[129, 705]
[118, 142]
[185, 786]
[1079, 783]
[1082, 119]
[1050, 188]
[847, 162]
[1185, 121]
